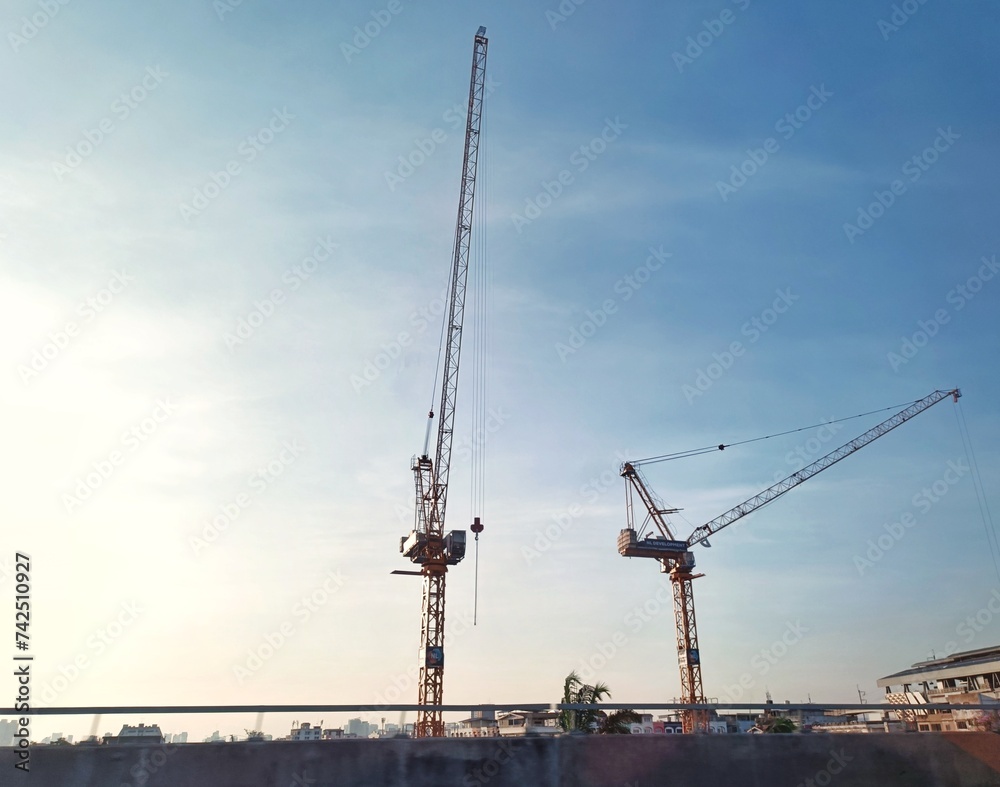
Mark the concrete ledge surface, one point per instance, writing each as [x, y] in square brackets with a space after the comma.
[842, 760]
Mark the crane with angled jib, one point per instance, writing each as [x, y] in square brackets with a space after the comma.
[428, 545]
[677, 559]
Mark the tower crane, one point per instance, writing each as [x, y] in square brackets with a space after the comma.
[427, 545]
[677, 559]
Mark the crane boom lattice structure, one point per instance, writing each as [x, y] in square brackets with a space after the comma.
[428, 545]
[678, 561]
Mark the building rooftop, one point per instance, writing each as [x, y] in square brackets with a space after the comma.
[957, 665]
[152, 730]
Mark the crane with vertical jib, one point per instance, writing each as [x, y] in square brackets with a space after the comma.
[428, 545]
[677, 559]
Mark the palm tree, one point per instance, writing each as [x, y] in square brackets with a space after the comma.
[576, 692]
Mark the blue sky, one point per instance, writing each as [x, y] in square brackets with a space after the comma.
[208, 235]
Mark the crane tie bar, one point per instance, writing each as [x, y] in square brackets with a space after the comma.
[722, 446]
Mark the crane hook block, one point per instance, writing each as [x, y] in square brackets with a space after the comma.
[477, 526]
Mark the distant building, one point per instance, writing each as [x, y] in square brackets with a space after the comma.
[214, 738]
[305, 732]
[969, 678]
[482, 724]
[359, 729]
[7, 730]
[520, 723]
[140, 734]
[309, 732]
[862, 725]
[668, 725]
[806, 720]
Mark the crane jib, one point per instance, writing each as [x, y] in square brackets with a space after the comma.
[678, 561]
[786, 484]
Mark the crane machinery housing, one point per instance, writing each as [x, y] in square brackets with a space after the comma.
[428, 545]
[677, 559]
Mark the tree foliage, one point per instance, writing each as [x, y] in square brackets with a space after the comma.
[771, 723]
[619, 722]
[576, 692]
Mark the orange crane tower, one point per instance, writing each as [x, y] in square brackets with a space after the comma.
[428, 545]
[677, 560]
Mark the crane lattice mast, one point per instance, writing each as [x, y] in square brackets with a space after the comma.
[678, 561]
[428, 545]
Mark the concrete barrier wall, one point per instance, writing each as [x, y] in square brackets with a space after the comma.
[914, 760]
